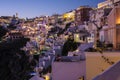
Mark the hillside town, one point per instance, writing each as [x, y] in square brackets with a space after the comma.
[45, 40]
[105, 16]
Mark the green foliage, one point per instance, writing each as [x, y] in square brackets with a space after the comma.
[14, 62]
[69, 45]
[3, 31]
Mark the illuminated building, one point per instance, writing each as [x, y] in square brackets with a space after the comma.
[82, 14]
[56, 17]
[42, 19]
[5, 19]
[51, 20]
[108, 3]
[114, 27]
[99, 15]
[69, 16]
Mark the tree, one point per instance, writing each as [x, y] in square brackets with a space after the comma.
[3, 31]
[14, 62]
[98, 30]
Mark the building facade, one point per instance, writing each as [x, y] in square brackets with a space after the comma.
[98, 20]
[108, 3]
[69, 16]
[82, 14]
[114, 27]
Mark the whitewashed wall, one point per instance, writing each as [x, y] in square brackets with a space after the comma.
[68, 70]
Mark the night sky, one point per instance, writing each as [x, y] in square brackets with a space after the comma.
[33, 8]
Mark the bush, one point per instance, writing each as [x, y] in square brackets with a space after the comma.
[14, 62]
[110, 45]
[91, 50]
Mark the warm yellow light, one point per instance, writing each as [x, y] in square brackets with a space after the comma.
[31, 52]
[69, 15]
[77, 35]
[36, 38]
[77, 50]
[28, 30]
[66, 37]
[118, 21]
[76, 38]
[47, 77]
[117, 16]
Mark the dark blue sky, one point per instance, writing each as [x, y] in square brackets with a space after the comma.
[32, 8]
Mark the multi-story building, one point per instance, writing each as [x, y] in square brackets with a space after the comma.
[113, 31]
[69, 16]
[5, 19]
[107, 16]
[108, 3]
[41, 19]
[98, 19]
[12, 35]
[56, 17]
[110, 34]
[82, 14]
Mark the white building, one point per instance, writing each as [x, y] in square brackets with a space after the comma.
[107, 3]
[98, 18]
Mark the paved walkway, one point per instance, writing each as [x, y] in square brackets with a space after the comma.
[104, 53]
[95, 64]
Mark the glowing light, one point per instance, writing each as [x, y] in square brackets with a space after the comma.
[47, 77]
[76, 38]
[69, 15]
[77, 50]
[118, 21]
